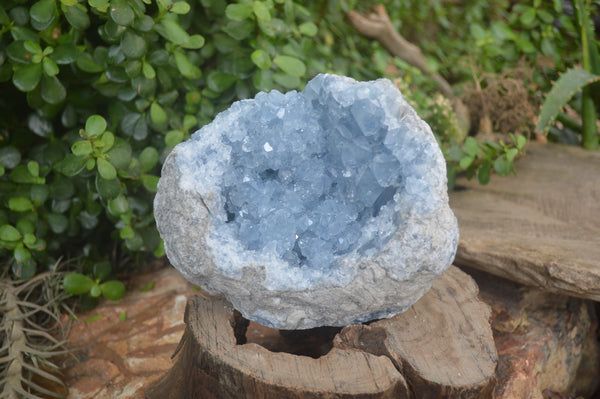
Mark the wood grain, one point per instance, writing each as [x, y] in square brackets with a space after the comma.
[540, 228]
[441, 347]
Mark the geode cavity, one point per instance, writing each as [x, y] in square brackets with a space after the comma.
[321, 207]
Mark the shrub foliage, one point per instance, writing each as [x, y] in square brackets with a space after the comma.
[95, 93]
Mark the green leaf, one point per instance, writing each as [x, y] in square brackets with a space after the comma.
[483, 173]
[120, 154]
[511, 154]
[107, 140]
[26, 227]
[157, 114]
[290, 65]
[185, 67]
[86, 63]
[148, 70]
[29, 240]
[17, 52]
[261, 11]
[42, 12]
[71, 165]
[287, 81]
[134, 124]
[77, 283]
[113, 290]
[173, 138]
[121, 13]
[25, 270]
[528, 16]
[53, 92]
[135, 243]
[219, 81]
[502, 166]
[174, 32]
[94, 318]
[521, 141]
[21, 254]
[150, 182]
[132, 45]
[34, 168]
[39, 193]
[261, 59]
[102, 270]
[4, 18]
[98, 3]
[106, 169]
[50, 67]
[95, 125]
[34, 49]
[180, 7]
[77, 17]
[126, 232]
[562, 91]
[95, 291]
[471, 146]
[20, 204]
[123, 316]
[466, 162]
[21, 174]
[148, 158]
[238, 12]
[23, 33]
[189, 121]
[308, 29]
[148, 287]
[108, 189]
[82, 148]
[118, 205]
[27, 77]
[9, 157]
[9, 233]
[195, 42]
[58, 223]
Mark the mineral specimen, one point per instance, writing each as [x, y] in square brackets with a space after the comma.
[322, 207]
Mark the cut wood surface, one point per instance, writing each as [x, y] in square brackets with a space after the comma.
[539, 228]
[441, 347]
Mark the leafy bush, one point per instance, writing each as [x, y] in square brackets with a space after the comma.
[97, 92]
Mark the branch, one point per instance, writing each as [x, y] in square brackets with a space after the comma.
[377, 25]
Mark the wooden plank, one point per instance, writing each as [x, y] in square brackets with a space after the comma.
[540, 228]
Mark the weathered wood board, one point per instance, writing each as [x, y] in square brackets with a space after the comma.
[440, 348]
[539, 228]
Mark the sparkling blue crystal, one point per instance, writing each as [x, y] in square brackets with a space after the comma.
[302, 173]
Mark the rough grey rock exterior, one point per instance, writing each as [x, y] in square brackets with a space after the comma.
[361, 287]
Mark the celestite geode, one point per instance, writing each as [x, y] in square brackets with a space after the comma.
[322, 207]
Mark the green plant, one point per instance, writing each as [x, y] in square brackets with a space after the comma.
[576, 80]
[478, 158]
[100, 284]
[97, 92]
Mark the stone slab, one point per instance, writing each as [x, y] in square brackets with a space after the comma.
[539, 228]
[119, 359]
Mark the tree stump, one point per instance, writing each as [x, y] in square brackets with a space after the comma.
[440, 347]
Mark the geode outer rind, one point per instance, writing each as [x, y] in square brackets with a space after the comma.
[361, 285]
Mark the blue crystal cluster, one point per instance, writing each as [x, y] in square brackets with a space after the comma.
[317, 175]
